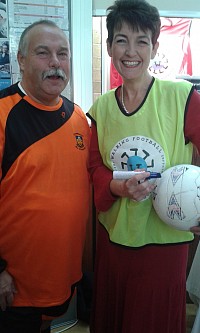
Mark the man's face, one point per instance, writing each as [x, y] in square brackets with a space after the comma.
[46, 64]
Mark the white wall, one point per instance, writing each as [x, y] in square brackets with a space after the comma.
[81, 32]
[181, 8]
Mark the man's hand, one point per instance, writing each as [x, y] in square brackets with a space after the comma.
[7, 290]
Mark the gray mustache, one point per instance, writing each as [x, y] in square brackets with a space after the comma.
[54, 72]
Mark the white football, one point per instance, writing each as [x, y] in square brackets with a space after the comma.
[176, 197]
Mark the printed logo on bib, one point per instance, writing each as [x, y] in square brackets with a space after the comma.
[146, 148]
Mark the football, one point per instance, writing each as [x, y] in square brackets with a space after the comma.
[176, 197]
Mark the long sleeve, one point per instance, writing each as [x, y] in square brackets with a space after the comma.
[101, 176]
[192, 121]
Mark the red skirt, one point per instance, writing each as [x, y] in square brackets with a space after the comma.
[139, 290]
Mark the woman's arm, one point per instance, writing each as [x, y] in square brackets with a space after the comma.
[101, 176]
[192, 120]
[192, 132]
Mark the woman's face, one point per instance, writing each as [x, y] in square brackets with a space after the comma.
[131, 52]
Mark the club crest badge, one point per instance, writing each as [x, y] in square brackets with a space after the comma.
[79, 141]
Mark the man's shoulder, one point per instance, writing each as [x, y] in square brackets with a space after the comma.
[9, 91]
[71, 106]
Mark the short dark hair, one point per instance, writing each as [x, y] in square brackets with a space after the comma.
[23, 42]
[138, 14]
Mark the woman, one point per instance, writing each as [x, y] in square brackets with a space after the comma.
[140, 261]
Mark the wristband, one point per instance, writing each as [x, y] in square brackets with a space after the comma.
[3, 265]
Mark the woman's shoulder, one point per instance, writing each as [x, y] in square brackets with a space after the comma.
[105, 99]
[175, 84]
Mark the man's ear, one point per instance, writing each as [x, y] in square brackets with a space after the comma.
[20, 59]
[154, 50]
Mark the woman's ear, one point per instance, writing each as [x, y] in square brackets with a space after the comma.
[109, 49]
[154, 50]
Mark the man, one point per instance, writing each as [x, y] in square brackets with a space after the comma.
[44, 200]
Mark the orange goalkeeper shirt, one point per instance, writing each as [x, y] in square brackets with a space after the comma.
[44, 196]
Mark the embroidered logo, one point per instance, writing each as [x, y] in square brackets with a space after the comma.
[79, 141]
